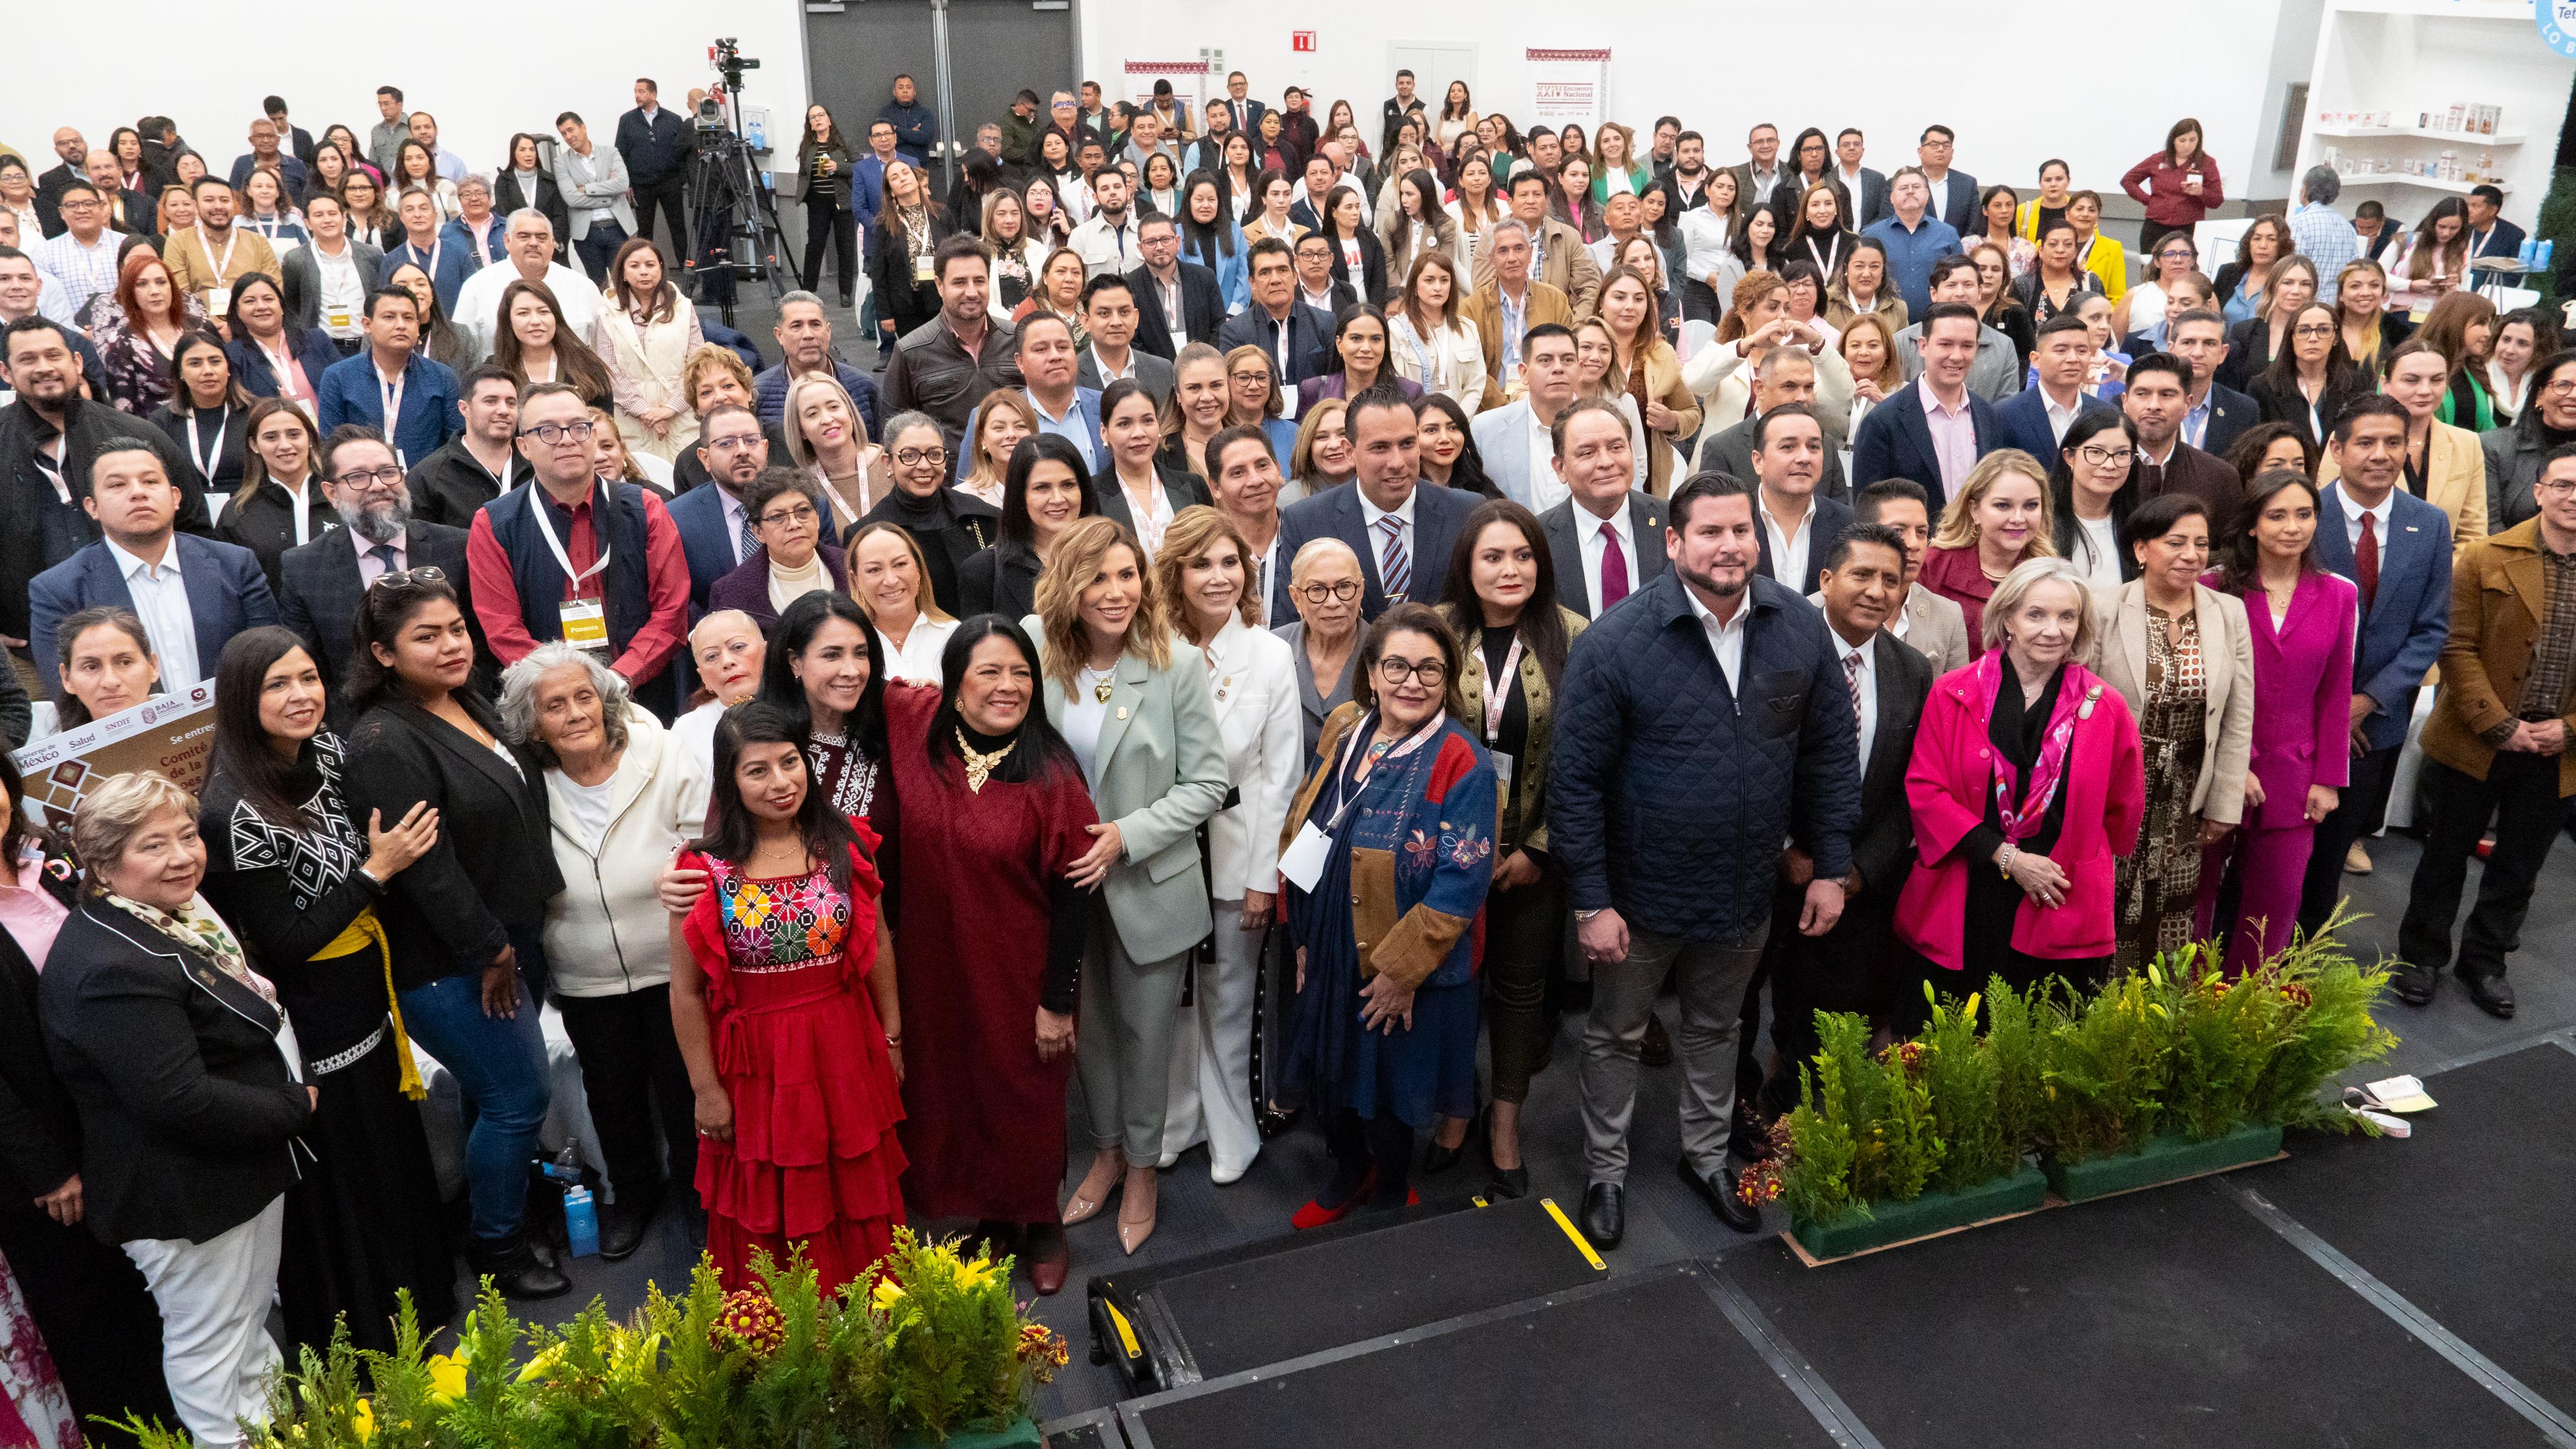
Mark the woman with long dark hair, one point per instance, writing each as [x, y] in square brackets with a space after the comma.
[1047, 488]
[207, 414]
[1358, 258]
[1448, 446]
[783, 999]
[1761, 244]
[537, 345]
[103, 665]
[272, 356]
[2092, 491]
[825, 674]
[2178, 186]
[644, 340]
[298, 875]
[902, 272]
[2435, 259]
[282, 502]
[2311, 379]
[997, 811]
[824, 163]
[464, 920]
[1210, 237]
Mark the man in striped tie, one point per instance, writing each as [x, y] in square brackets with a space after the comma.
[1403, 529]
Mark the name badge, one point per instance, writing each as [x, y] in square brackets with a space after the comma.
[921, 268]
[585, 624]
[1503, 765]
[219, 301]
[1303, 861]
[339, 319]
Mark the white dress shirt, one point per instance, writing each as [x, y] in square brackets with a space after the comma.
[1370, 513]
[1844, 652]
[2060, 418]
[2352, 512]
[1110, 374]
[1792, 547]
[1589, 531]
[916, 660]
[2097, 552]
[1726, 640]
[161, 602]
[1546, 489]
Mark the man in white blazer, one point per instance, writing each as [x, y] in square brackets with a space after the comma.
[1932, 625]
[1516, 440]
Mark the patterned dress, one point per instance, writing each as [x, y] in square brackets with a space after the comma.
[35, 1413]
[2160, 880]
[802, 1055]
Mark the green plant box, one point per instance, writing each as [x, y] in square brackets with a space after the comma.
[2168, 1158]
[1931, 1213]
[1022, 1434]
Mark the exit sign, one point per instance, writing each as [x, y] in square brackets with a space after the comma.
[1301, 40]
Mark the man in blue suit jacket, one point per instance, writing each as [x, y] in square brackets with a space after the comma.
[714, 535]
[1277, 322]
[1049, 366]
[2029, 418]
[354, 390]
[1895, 440]
[191, 593]
[1397, 524]
[2405, 617]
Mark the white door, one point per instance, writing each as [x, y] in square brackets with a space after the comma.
[1434, 63]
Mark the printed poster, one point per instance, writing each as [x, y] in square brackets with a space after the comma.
[172, 733]
[1569, 86]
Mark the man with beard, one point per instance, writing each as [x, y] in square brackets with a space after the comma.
[478, 464]
[322, 582]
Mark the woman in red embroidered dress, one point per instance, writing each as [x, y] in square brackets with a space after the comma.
[791, 1034]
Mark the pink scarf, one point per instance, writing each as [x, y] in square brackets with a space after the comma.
[2055, 745]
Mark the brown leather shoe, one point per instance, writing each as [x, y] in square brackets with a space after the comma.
[1048, 1257]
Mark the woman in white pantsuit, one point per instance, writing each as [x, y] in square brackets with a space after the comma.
[1253, 681]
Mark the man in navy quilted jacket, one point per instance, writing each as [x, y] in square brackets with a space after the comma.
[1702, 722]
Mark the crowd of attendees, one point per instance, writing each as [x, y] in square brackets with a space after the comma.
[1291, 612]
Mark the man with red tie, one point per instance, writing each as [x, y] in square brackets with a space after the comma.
[1608, 539]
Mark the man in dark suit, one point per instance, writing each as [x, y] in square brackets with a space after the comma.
[73, 151]
[2396, 549]
[715, 531]
[321, 583]
[2155, 396]
[1401, 528]
[1405, 102]
[1117, 349]
[481, 462]
[297, 141]
[265, 150]
[655, 144]
[191, 593]
[1297, 339]
[1957, 204]
[128, 211]
[1896, 439]
[1241, 110]
[2217, 414]
[1165, 280]
[1317, 287]
[1869, 205]
[1851, 967]
[2490, 235]
[1796, 525]
[2035, 418]
[1782, 374]
[1607, 541]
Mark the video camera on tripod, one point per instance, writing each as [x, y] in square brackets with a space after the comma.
[737, 214]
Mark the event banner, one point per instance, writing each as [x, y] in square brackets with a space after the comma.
[172, 733]
[1569, 86]
[1189, 80]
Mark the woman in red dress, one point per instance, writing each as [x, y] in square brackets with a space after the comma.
[993, 807]
[791, 1038]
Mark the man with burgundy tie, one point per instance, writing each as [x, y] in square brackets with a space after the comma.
[1608, 539]
[2396, 548]
[1401, 531]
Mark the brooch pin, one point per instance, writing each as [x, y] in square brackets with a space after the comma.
[2085, 711]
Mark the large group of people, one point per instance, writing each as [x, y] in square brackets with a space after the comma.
[1403, 587]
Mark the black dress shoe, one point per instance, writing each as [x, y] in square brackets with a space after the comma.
[1657, 1049]
[515, 1269]
[2493, 994]
[2413, 984]
[1437, 1159]
[1605, 1214]
[621, 1229]
[1510, 1183]
[1718, 1191]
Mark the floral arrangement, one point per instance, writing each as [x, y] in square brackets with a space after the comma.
[2178, 1048]
[930, 1346]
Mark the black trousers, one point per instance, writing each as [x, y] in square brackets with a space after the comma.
[667, 195]
[630, 1065]
[828, 221]
[96, 1315]
[1850, 968]
[2356, 814]
[2520, 793]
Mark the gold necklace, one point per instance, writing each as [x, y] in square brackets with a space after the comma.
[1101, 688]
[979, 767]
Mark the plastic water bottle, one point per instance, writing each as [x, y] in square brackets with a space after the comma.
[581, 1223]
[2546, 249]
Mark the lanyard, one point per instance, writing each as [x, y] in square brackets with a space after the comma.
[482, 243]
[1498, 690]
[269, 228]
[296, 498]
[281, 366]
[436, 245]
[204, 458]
[543, 507]
[391, 390]
[231, 240]
[1342, 797]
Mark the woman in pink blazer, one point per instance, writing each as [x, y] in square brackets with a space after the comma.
[2027, 786]
[2302, 619]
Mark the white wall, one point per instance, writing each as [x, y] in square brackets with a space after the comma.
[484, 68]
[1887, 66]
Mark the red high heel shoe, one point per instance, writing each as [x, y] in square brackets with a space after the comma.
[1315, 1215]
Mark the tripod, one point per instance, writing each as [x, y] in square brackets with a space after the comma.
[736, 216]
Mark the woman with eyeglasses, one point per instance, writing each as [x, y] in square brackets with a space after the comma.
[1253, 400]
[2093, 490]
[1383, 1040]
[281, 502]
[2311, 379]
[950, 526]
[786, 511]
[1324, 586]
[2252, 344]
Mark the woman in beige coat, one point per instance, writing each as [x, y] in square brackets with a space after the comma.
[2182, 657]
[1652, 374]
[646, 340]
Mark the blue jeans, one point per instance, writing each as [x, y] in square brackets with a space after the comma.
[500, 1065]
[599, 248]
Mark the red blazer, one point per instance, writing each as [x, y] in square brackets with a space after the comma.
[1947, 785]
[2302, 697]
[1955, 574]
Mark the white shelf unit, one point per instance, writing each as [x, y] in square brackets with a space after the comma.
[2405, 56]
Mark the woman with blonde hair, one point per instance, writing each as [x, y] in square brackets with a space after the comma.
[1429, 342]
[1646, 372]
[890, 577]
[1323, 457]
[2361, 308]
[2434, 260]
[1141, 721]
[1000, 422]
[645, 340]
[1757, 318]
[1868, 352]
[1999, 520]
[827, 437]
[1614, 164]
[1194, 412]
[1597, 375]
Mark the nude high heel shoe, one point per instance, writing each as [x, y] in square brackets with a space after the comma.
[1088, 1200]
[1133, 1231]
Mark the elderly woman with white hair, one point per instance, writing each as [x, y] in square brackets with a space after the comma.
[2026, 786]
[621, 800]
[187, 1078]
[1325, 583]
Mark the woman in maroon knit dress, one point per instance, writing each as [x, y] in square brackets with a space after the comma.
[792, 1038]
[993, 807]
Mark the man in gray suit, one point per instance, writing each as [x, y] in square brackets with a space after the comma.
[1930, 624]
[1607, 539]
[1996, 373]
[1109, 311]
[1782, 374]
[1517, 440]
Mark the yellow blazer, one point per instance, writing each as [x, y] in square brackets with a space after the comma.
[2105, 259]
[2455, 481]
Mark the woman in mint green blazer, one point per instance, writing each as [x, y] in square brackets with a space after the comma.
[1141, 718]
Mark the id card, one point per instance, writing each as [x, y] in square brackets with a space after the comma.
[922, 270]
[340, 320]
[585, 624]
[219, 301]
[1303, 861]
[1503, 766]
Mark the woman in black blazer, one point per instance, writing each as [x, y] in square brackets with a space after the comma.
[823, 159]
[85, 1295]
[1132, 427]
[184, 1069]
[282, 464]
[909, 231]
[204, 392]
[526, 182]
[464, 919]
[1046, 489]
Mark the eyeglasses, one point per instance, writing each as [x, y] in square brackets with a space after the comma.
[1396, 671]
[1345, 591]
[2553, 487]
[915, 457]
[2313, 329]
[2563, 387]
[738, 443]
[362, 478]
[551, 434]
[2105, 457]
[404, 578]
[801, 513]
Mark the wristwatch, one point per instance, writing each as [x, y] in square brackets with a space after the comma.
[1581, 916]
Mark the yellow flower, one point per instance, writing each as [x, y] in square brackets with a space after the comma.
[364, 1420]
[886, 1294]
[976, 1275]
[542, 1364]
[446, 1377]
